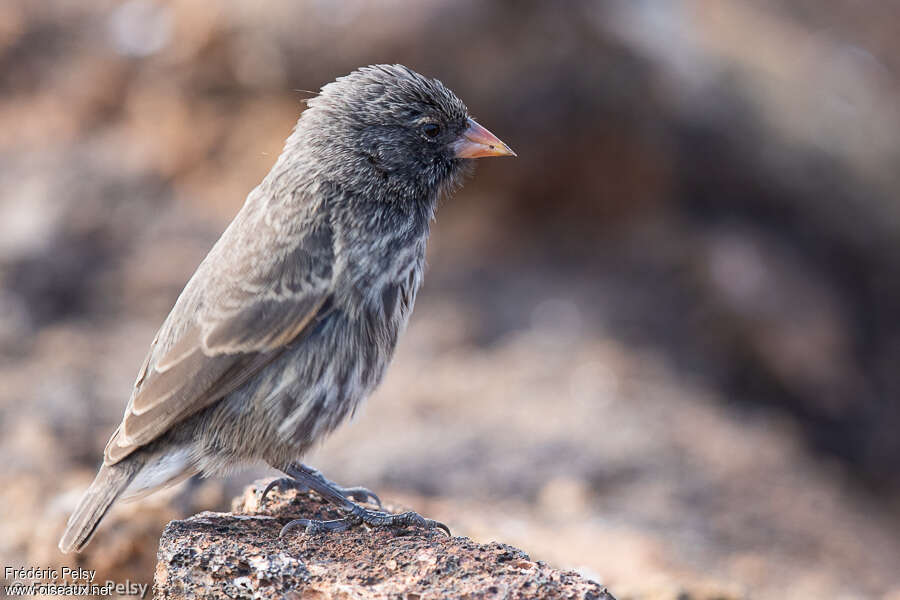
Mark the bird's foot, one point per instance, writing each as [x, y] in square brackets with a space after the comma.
[305, 477]
[360, 494]
[372, 518]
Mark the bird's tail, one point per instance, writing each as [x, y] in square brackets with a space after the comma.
[109, 483]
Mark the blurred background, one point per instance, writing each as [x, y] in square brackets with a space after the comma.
[660, 347]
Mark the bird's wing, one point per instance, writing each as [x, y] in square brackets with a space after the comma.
[241, 309]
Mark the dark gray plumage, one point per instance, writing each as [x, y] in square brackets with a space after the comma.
[292, 318]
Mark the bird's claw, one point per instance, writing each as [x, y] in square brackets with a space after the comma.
[361, 494]
[282, 484]
[374, 518]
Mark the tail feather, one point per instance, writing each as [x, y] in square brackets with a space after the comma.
[109, 483]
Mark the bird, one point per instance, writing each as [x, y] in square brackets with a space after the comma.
[291, 320]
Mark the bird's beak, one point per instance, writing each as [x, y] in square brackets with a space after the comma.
[478, 142]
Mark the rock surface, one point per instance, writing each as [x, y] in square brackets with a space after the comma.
[240, 554]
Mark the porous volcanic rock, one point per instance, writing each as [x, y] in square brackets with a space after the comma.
[240, 555]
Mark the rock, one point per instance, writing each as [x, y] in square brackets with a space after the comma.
[229, 555]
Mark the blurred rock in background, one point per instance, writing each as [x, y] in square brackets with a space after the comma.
[677, 312]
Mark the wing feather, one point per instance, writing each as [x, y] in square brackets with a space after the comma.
[240, 319]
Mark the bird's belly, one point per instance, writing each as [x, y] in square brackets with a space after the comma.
[296, 400]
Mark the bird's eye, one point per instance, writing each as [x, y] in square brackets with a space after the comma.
[431, 129]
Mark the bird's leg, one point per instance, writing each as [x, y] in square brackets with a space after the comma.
[356, 514]
[360, 494]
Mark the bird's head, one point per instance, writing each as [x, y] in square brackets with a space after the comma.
[387, 131]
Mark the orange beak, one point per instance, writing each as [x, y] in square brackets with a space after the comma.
[478, 142]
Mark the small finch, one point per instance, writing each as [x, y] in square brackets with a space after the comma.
[292, 318]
